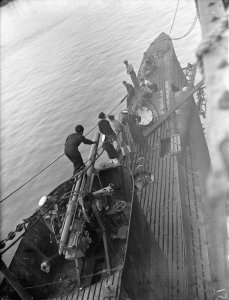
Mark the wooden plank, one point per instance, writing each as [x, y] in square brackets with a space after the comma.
[174, 237]
[153, 185]
[156, 186]
[204, 249]
[92, 292]
[86, 293]
[97, 290]
[154, 190]
[75, 295]
[158, 211]
[186, 96]
[166, 208]
[194, 221]
[70, 297]
[178, 238]
[171, 221]
[203, 274]
[148, 188]
[162, 203]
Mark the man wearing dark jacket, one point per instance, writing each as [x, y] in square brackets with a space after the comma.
[110, 136]
[71, 147]
[105, 128]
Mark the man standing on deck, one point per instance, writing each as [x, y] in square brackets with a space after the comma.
[146, 92]
[131, 72]
[110, 136]
[121, 136]
[148, 68]
[105, 128]
[130, 91]
[71, 147]
[133, 121]
[149, 84]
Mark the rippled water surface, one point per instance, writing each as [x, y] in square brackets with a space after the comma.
[61, 65]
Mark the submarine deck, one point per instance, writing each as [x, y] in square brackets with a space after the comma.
[177, 156]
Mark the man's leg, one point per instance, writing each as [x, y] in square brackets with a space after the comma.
[78, 162]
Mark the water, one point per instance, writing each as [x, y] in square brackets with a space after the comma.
[61, 65]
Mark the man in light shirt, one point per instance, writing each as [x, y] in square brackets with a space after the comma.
[120, 133]
[149, 84]
[131, 72]
[146, 91]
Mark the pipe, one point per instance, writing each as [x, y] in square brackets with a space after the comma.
[73, 200]
[91, 161]
[69, 215]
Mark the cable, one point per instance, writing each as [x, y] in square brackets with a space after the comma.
[118, 268]
[64, 196]
[31, 179]
[2, 200]
[51, 206]
[189, 31]
[174, 17]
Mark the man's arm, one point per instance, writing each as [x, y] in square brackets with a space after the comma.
[87, 141]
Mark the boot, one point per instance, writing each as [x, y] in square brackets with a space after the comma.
[115, 161]
[128, 147]
[123, 151]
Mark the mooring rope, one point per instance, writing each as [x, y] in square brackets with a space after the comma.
[174, 17]
[188, 32]
[37, 174]
[50, 207]
[190, 29]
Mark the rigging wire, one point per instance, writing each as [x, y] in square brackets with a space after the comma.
[62, 197]
[118, 268]
[2, 200]
[174, 17]
[47, 210]
[188, 32]
[190, 29]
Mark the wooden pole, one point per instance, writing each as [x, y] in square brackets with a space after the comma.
[91, 161]
[213, 56]
[13, 282]
[73, 200]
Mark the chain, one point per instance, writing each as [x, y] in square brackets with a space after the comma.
[11, 235]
